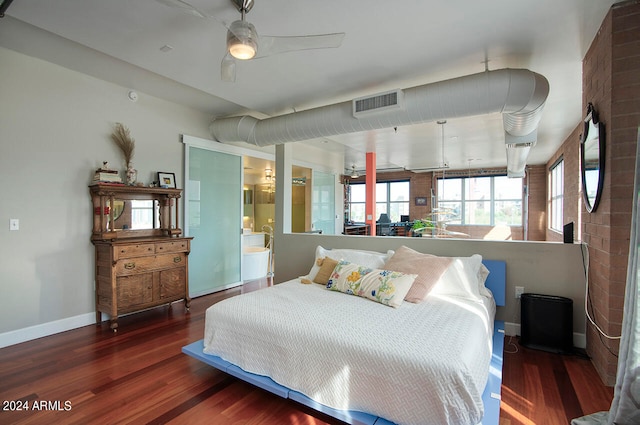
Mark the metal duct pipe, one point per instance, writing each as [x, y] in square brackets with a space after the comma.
[519, 94]
[517, 159]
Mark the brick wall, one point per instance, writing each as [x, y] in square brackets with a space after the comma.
[537, 181]
[420, 187]
[611, 81]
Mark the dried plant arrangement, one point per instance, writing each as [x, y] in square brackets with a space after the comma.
[121, 136]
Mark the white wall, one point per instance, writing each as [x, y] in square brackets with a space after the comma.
[54, 132]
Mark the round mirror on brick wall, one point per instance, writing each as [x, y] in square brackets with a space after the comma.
[592, 159]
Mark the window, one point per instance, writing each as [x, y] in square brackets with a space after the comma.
[392, 198]
[482, 201]
[556, 195]
[357, 197]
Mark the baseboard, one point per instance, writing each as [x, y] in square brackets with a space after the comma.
[513, 329]
[46, 329]
[217, 289]
[579, 340]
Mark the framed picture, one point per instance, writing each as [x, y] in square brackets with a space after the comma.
[421, 201]
[167, 180]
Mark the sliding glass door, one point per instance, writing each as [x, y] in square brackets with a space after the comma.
[214, 219]
[323, 205]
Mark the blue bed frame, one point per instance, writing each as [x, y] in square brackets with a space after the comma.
[496, 282]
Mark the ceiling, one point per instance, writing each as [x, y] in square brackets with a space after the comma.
[388, 45]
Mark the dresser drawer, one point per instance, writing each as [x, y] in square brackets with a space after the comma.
[178, 246]
[133, 250]
[129, 266]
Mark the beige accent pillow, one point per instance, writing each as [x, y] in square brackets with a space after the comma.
[428, 268]
[326, 268]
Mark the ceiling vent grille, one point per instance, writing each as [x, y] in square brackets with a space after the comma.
[381, 102]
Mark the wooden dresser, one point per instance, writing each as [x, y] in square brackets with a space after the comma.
[141, 259]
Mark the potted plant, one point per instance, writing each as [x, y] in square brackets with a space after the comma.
[420, 226]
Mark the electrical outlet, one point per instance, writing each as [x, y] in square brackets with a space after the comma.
[519, 291]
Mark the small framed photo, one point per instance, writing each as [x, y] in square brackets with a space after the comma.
[167, 180]
[421, 200]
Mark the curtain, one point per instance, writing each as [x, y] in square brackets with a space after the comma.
[625, 408]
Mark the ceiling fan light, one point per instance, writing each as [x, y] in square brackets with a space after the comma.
[242, 40]
[241, 50]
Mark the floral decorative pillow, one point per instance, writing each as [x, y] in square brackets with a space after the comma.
[384, 286]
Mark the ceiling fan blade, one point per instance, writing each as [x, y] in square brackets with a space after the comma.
[184, 6]
[270, 45]
[228, 69]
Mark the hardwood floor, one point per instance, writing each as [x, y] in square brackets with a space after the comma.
[139, 375]
[546, 388]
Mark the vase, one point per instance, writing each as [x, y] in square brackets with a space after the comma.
[132, 175]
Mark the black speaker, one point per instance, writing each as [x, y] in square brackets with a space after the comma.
[567, 232]
[547, 323]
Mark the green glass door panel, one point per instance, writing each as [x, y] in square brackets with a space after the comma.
[323, 202]
[214, 220]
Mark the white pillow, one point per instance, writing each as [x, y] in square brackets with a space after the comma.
[370, 259]
[483, 273]
[461, 278]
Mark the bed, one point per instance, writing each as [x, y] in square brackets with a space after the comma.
[436, 361]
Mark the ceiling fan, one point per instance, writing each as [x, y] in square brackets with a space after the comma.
[244, 43]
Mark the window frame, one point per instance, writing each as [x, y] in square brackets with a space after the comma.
[464, 200]
[556, 182]
[384, 206]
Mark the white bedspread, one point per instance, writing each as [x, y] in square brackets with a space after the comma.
[418, 364]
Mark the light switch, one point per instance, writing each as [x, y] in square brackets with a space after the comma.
[14, 224]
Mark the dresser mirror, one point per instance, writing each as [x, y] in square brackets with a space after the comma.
[135, 214]
[132, 212]
[116, 209]
[592, 146]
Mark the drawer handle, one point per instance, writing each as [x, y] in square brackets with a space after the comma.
[129, 266]
[177, 259]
